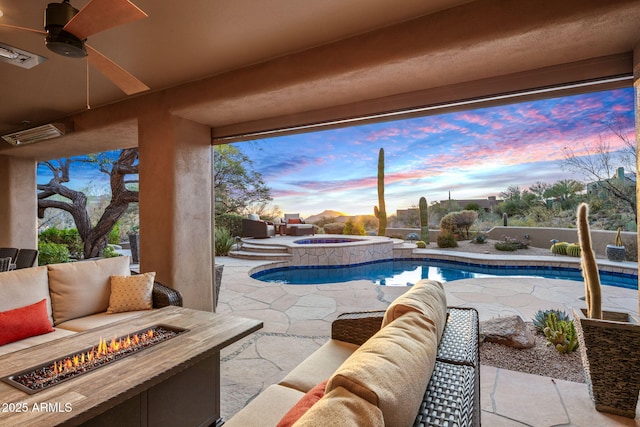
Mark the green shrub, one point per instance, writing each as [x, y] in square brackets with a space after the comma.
[223, 241]
[52, 253]
[506, 246]
[114, 235]
[68, 237]
[109, 252]
[421, 244]
[446, 240]
[512, 244]
[231, 222]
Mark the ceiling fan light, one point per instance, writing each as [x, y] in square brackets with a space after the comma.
[59, 41]
[36, 134]
[65, 44]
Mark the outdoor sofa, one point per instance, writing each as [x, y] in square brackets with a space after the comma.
[295, 226]
[41, 304]
[415, 364]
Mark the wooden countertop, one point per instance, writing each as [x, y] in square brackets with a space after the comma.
[83, 397]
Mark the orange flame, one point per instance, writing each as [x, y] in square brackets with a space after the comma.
[102, 350]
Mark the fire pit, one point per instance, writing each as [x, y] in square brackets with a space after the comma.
[41, 377]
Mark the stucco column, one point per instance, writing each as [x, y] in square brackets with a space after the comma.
[175, 205]
[636, 90]
[18, 203]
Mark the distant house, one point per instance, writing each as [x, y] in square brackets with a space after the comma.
[600, 188]
[407, 216]
[488, 205]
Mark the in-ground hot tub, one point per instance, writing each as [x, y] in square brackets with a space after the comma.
[340, 250]
[324, 240]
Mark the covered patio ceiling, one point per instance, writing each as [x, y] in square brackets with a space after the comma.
[245, 66]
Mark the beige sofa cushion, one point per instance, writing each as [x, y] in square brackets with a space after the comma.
[31, 341]
[82, 288]
[267, 409]
[426, 297]
[319, 366]
[340, 407]
[392, 369]
[23, 287]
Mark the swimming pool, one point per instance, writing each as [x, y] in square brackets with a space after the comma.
[408, 272]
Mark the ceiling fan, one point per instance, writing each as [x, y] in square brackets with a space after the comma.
[67, 30]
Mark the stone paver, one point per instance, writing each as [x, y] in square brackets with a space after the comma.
[298, 318]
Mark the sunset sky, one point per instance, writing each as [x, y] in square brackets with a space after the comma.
[472, 154]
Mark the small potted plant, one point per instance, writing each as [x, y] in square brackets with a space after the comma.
[609, 341]
[616, 252]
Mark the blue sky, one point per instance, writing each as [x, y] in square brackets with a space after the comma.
[472, 154]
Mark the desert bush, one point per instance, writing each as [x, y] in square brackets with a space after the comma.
[448, 223]
[458, 222]
[334, 228]
[421, 244]
[512, 244]
[446, 240]
[232, 222]
[353, 228]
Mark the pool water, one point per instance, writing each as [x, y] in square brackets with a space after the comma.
[408, 272]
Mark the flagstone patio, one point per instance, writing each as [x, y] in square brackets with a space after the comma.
[297, 320]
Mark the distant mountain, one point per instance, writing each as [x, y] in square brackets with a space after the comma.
[339, 217]
[323, 215]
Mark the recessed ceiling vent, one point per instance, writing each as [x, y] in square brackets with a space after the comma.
[18, 57]
[40, 133]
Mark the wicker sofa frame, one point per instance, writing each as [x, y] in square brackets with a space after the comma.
[164, 296]
[452, 396]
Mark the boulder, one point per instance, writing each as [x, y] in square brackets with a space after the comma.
[511, 331]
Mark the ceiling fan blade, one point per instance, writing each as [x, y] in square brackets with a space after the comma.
[15, 27]
[100, 15]
[118, 75]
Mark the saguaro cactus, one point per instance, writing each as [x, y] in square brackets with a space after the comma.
[589, 266]
[380, 211]
[424, 220]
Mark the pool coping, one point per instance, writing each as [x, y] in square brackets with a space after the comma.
[409, 252]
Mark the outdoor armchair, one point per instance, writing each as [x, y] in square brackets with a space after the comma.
[254, 227]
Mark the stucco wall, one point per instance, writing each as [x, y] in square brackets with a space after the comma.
[539, 237]
[18, 203]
